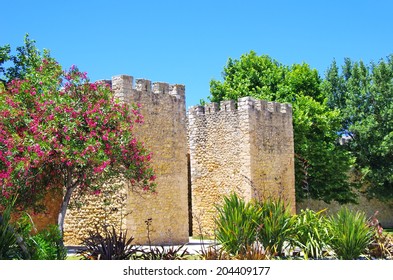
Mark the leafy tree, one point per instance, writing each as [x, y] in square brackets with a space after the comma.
[4, 57]
[321, 164]
[364, 95]
[59, 131]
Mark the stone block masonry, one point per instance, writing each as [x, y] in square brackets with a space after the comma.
[164, 134]
[245, 147]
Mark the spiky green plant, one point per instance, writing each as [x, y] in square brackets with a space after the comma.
[163, 253]
[311, 233]
[350, 233]
[236, 224]
[274, 225]
[108, 244]
[8, 238]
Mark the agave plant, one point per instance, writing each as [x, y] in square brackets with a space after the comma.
[350, 234]
[236, 224]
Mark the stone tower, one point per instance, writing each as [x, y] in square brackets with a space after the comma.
[245, 147]
[164, 134]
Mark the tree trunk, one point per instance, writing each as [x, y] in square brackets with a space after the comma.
[63, 208]
[70, 187]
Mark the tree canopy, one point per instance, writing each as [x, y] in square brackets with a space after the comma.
[321, 164]
[59, 131]
[364, 95]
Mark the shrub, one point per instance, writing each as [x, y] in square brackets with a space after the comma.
[381, 246]
[350, 234]
[236, 224]
[47, 244]
[311, 233]
[274, 225]
[108, 245]
[43, 245]
[382, 242]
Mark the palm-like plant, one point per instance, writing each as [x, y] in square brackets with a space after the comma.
[350, 234]
[274, 225]
[236, 224]
[311, 233]
[7, 235]
[110, 245]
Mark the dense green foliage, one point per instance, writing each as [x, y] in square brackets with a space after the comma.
[240, 225]
[310, 233]
[321, 164]
[45, 244]
[364, 95]
[350, 233]
[266, 229]
[4, 57]
[237, 224]
[27, 58]
[275, 224]
[19, 239]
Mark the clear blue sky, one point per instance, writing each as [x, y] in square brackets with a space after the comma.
[189, 42]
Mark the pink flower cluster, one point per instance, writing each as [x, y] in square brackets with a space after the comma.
[61, 129]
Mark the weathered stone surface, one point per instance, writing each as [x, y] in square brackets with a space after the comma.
[164, 133]
[248, 150]
[368, 206]
[245, 147]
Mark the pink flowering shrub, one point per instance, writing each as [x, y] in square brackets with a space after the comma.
[60, 131]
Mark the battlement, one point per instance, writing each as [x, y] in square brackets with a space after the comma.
[123, 85]
[220, 148]
[242, 104]
[233, 143]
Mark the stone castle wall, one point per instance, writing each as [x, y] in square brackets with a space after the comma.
[368, 206]
[245, 147]
[164, 134]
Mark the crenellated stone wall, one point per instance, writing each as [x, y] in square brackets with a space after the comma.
[246, 147]
[164, 134]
